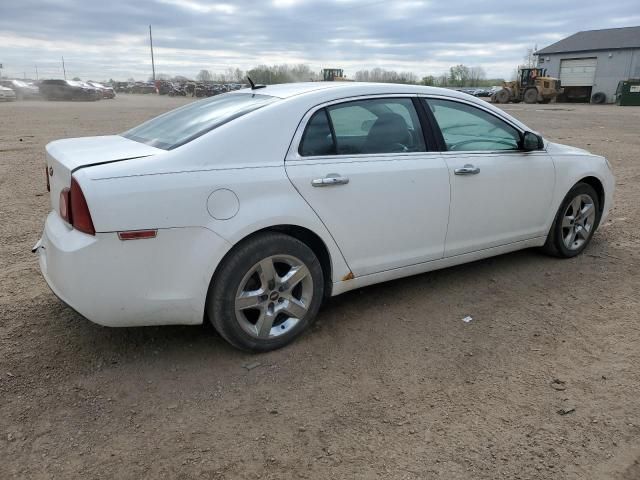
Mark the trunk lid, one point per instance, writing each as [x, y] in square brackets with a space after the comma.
[65, 156]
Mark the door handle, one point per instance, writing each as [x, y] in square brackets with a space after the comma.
[468, 169]
[330, 179]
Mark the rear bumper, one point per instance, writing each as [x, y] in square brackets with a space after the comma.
[116, 283]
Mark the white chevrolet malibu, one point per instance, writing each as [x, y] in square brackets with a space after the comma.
[250, 208]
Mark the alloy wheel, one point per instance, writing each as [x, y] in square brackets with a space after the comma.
[578, 222]
[273, 296]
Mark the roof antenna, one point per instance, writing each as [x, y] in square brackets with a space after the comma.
[254, 86]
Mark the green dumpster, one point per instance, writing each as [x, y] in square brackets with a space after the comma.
[628, 92]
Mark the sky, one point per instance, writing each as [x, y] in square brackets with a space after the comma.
[103, 39]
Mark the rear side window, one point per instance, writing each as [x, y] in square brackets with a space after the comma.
[184, 124]
[317, 138]
[364, 127]
[467, 128]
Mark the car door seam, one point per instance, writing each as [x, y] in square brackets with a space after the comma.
[446, 235]
[318, 216]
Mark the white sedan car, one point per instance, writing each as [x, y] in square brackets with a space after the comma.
[250, 208]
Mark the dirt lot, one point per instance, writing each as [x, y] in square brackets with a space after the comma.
[389, 384]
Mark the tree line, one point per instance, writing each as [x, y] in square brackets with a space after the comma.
[457, 76]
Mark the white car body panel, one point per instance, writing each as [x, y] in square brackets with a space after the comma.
[133, 283]
[508, 201]
[399, 215]
[394, 274]
[368, 216]
[572, 165]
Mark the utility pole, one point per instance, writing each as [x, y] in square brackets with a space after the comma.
[37, 73]
[63, 69]
[153, 64]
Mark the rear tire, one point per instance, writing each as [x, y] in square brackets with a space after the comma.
[266, 292]
[575, 223]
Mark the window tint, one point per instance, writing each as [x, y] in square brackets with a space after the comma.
[386, 125]
[351, 120]
[364, 127]
[317, 139]
[182, 125]
[466, 128]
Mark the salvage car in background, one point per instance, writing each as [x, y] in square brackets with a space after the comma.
[23, 90]
[7, 94]
[107, 92]
[250, 208]
[94, 93]
[66, 90]
[143, 87]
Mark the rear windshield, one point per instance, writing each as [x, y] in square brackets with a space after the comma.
[184, 124]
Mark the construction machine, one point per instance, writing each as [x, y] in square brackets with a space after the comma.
[532, 86]
[333, 75]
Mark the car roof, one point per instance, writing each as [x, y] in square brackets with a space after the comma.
[313, 93]
[287, 90]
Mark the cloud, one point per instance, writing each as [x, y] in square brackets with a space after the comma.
[102, 40]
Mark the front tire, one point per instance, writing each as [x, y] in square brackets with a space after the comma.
[503, 96]
[266, 292]
[576, 221]
[531, 96]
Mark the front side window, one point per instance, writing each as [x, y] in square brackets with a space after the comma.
[184, 124]
[362, 127]
[467, 128]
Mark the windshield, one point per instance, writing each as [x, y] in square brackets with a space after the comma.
[184, 124]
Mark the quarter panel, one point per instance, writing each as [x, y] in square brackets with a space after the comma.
[265, 195]
[159, 281]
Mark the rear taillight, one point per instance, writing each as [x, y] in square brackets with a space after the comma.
[74, 208]
[65, 204]
[80, 215]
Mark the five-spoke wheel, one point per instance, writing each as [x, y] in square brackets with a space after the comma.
[576, 221]
[266, 292]
[273, 296]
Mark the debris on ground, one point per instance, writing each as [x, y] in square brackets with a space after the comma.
[467, 319]
[252, 365]
[566, 410]
[558, 384]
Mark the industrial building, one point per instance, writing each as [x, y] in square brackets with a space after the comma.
[593, 62]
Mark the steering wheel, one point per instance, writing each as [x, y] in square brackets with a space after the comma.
[455, 146]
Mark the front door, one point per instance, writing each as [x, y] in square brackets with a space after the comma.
[364, 168]
[499, 193]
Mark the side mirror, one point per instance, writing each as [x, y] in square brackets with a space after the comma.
[531, 141]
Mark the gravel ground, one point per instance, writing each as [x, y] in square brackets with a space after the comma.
[390, 383]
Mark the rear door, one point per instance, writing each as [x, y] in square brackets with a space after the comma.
[500, 193]
[365, 168]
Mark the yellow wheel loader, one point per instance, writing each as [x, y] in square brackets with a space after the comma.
[532, 86]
